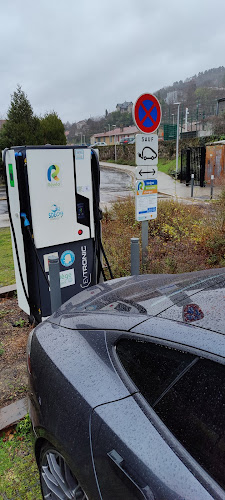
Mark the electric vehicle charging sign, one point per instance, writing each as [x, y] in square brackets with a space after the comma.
[146, 199]
[146, 149]
[147, 113]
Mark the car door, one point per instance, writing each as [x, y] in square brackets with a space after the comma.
[134, 441]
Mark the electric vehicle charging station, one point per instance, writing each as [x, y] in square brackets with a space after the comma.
[53, 200]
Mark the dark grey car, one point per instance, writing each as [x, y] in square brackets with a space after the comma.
[127, 390]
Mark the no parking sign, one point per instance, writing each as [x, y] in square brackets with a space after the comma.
[147, 113]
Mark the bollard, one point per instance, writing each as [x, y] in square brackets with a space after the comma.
[54, 277]
[192, 184]
[211, 189]
[144, 241]
[135, 256]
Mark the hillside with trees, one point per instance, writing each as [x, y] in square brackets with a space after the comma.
[198, 93]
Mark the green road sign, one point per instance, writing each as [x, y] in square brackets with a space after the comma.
[170, 132]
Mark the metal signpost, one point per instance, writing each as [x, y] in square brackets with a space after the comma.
[147, 117]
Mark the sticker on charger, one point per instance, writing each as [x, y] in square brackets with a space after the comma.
[67, 258]
[83, 189]
[79, 154]
[67, 278]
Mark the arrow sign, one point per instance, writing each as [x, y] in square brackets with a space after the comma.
[141, 172]
[145, 172]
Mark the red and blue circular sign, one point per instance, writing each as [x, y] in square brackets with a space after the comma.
[147, 113]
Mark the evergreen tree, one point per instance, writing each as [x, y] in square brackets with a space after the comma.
[52, 129]
[21, 126]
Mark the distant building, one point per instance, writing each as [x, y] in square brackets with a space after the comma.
[114, 136]
[125, 107]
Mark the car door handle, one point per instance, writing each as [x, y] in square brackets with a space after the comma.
[131, 474]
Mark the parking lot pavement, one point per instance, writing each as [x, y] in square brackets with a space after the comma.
[168, 186]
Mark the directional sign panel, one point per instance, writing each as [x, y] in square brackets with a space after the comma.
[146, 199]
[143, 172]
[147, 113]
[146, 148]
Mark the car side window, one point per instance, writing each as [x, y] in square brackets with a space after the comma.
[187, 393]
[194, 410]
[152, 367]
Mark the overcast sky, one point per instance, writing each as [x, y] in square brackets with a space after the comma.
[81, 57]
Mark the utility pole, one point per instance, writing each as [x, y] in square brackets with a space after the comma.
[197, 116]
[177, 144]
[186, 117]
[182, 118]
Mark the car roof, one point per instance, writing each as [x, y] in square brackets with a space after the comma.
[196, 298]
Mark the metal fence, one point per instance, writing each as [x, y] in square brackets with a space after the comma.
[193, 162]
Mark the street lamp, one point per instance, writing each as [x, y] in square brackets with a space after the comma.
[173, 117]
[177, 144]
[114, 126]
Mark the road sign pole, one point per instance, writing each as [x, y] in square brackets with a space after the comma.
[147, 117]
[144, 242]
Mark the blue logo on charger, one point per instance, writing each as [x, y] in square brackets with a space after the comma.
[67, 258]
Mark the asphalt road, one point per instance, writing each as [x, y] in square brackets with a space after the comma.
[114, 185]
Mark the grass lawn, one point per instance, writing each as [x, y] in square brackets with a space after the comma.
[7, 275]
[168, 166]
[18, 470]
[163, 165]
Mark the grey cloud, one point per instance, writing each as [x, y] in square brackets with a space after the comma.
[80, 58]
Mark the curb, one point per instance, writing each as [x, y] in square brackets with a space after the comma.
[13, 413]
[7, 291]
